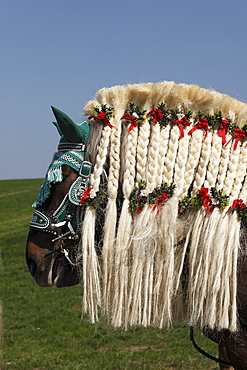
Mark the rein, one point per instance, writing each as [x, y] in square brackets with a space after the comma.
[205, 353]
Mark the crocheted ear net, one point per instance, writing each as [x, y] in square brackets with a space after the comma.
[54, 173]
[176, 180]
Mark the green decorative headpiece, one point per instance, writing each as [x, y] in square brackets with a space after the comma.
[70, 131]
[70, 151]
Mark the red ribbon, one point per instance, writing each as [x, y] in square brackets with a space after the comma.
[205, 197]
[206, 201]
[222, 130]
[163, 198]
[156, 115]
[85, 195]
[102, 117]
[181, 123]
[203, 123]
[237, 136]
[139, 209]
[134, 123]
[238, 203]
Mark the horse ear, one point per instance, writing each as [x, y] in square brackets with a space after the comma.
[70, 130]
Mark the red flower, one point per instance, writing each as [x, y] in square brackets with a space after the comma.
[156, 115]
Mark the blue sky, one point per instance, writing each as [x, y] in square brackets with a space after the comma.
[60, 52]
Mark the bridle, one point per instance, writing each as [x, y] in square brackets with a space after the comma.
[64, 223]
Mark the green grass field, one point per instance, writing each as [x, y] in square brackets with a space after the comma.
[43, 328]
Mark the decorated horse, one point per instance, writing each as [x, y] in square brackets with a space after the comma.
[145, 202]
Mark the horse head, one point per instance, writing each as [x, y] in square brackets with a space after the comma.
[52, 246]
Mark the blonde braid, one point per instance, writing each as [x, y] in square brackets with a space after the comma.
[89, 224]
[182, 154]
[223, 165]
[116, 98]
[165, 239]
[164, 139]
[195, 145]
[100, 158]
[120, 303]
[214, 161]
[140, 233]
[178, 224]
[91, 281]
[232, 169]
[153, 153]
[240, 173]
[203, 162]
[110, 221]
[168, 169]
[243, 192]
[151, 241]
[130, 163]
[142, 150]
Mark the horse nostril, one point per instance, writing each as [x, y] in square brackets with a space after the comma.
[32, 266]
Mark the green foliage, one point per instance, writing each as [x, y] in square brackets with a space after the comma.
[244, 128]
[188, 203]
[138, 200]
[43, 328]
[242, 215]
[221, 200]
[132, 108]
[159, 190]
[218, 199]
[99, 201]
[105, 109]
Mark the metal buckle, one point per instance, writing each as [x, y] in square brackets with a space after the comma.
[85, 170]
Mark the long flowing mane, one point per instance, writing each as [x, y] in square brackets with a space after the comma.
[169, 174]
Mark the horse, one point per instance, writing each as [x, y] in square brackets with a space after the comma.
[145, 203]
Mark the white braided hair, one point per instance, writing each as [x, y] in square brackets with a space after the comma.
[142, 257]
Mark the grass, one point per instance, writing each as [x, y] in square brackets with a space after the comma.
[43, 327]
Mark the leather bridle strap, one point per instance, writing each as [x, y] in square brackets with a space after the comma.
[205, 353]
[45, 221]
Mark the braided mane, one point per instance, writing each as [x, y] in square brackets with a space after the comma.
[178, 177]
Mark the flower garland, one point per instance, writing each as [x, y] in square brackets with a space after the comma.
[139, 198]
[211, 199]
[206, 198]
[99, 200]
[162, 115]
[104, 114]
[160, 195]
[165, 116]
[241, 210]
